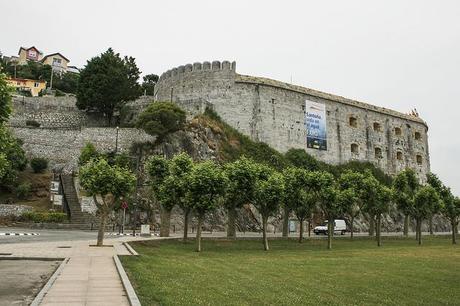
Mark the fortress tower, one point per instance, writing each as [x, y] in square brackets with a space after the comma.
[332, 128]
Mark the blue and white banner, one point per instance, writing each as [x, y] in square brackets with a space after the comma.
[315, 121]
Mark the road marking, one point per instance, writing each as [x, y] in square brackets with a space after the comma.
[19, 234]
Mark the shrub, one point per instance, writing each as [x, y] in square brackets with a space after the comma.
[161, 119]
[23, 191]
[87, 153]
[39, 164]
[43, 217]
[32, 123]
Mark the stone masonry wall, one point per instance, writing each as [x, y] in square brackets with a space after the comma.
[274, 112]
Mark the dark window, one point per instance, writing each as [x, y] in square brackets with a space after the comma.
[419, 159]
[354, 148]
[378, 153]
[417, 136]
[377, 127]
[398, 131]
[399, 155]
[353, 122]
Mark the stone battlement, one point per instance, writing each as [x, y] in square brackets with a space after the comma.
[214, 66]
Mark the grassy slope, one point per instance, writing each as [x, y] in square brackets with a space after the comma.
[240, 273]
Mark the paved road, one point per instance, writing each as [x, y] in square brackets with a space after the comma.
[23, 279]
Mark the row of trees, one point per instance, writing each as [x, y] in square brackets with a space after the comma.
[182, 182]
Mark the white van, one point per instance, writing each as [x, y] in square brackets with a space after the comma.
[339, 227]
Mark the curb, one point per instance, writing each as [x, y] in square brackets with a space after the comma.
[39, 298]
[130, 249]
[132, 297]
[31, 258]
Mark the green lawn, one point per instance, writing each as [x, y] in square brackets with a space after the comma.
[241, 273]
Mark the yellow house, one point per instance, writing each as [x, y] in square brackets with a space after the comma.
[29, 54]
[56, 60]
[32, 86]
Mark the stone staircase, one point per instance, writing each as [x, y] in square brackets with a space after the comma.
[78, 217]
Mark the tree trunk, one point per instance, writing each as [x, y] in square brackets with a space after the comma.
[100, 233]
[231, 226]
[301, 230]
[379, 221]
[264, 229]
[419, 231]
[198, 232]
[431, 225]
[309, 227]
[330, 232]
[165, 222]
[406, 225]
[371, 226]
[416, 229]
[352, 227]
[286, 222]
[454, 239]
[186, 218]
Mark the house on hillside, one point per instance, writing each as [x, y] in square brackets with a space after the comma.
[56, 60]
[27, 85]
[29, 54]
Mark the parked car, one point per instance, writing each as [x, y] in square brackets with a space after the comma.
[339, 227]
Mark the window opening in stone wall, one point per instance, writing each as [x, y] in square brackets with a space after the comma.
[398, 131]
[399, 155]
[419, 159]
[354, 148]
[377, 127]
[353, 122]
[417, 136]
[378, 153]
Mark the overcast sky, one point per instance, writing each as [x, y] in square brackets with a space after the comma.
[396, 54]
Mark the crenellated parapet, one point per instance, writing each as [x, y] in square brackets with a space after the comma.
[197, 67]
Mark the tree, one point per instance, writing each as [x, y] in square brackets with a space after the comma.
[241, 175]
[11, 148]
[450, 205]
[158, 170]
[426, 201]
[148, 86]
[324, 187]
[176, 184]
[352, 197]
[106, 184]
[298, 198]
[405, 186]
[377, 203]
[107, 82]
[161, 119]
[206, 188]
[268, 195]
[5, 99]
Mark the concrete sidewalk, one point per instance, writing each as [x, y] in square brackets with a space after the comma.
[90, 276]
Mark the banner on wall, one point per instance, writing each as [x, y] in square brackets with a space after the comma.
[315, 121]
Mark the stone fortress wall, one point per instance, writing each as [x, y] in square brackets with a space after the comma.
[274, 112]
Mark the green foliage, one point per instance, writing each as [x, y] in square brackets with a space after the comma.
[242, 177]
[301, 159]
[206, 187]
[39, 164]
[237, 145]
[450, 205]
[323, 185]
[6, 171]
[88, 153]
[298, 197]
[161, 119]
[97, 177]
[107, 82]
[11, 149]
[268, 193]
[361, 167]
[426, 202]
[158, 170]
[65, 82]
[43, 217]
[23, 191]
[5, 99]
[405, 186]
[148, 84]
[173, 189]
